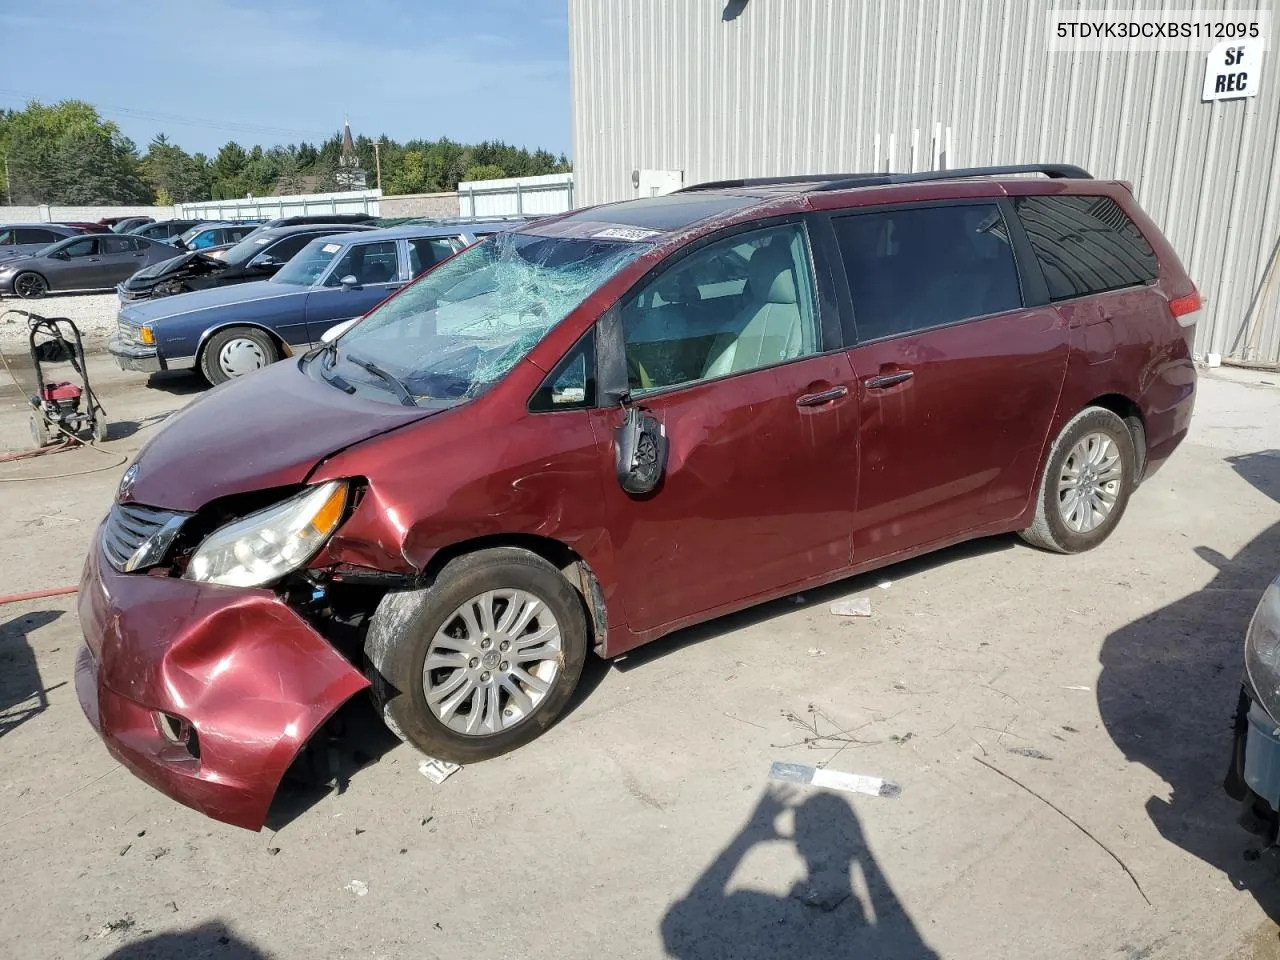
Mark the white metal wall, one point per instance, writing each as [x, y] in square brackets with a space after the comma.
[804, 86]
[55, 214]
[351, 201]
[516, 196]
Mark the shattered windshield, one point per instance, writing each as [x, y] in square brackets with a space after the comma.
[466, 323]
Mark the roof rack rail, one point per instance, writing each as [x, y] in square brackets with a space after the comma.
[845, 181]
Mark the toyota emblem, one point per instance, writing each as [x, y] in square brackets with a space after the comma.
[126, 483]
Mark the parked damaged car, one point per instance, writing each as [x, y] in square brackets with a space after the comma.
[258, 256]
[599, 428]
[229, 331]
[82, 262]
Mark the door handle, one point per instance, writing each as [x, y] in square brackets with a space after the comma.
[818, 399]
[888, 379]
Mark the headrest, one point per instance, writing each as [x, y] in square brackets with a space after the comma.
[773, 275]
[678, 287]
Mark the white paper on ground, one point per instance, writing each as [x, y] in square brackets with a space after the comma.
[852, 607]
[438, 771]
[834, 779]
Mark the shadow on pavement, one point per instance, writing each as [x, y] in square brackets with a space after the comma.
[122, 429]
[22, 693]
[823, 917]
[353, 739]
[1167, 695]
[180, 383]
[208, 940]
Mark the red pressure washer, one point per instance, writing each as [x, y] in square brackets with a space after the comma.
[57, 404]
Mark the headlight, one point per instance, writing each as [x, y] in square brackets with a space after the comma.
[266, 545]
[1262, 651]
[146, 335]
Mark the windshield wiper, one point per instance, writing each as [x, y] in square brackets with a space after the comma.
[406, 397]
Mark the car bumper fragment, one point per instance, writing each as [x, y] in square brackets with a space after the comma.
[238, 669]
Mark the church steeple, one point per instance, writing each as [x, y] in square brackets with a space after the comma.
[348, 145]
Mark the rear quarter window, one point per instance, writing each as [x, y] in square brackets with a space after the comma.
[1085, 244]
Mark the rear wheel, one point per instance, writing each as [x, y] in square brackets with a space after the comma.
[235, 352]
[482, 661]
[30, 286]
[1085, 486]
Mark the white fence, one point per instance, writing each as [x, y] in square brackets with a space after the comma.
[268, 208]
[516, 196]
[44, 213]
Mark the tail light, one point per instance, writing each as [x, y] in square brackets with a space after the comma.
[1186, 310]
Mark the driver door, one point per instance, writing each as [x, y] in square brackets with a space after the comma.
[82, 270]
[375, 269]
[734, 349]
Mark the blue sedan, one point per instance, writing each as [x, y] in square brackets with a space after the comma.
[227, 332]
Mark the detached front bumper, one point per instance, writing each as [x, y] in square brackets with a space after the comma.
[132, 356]
[235, 670]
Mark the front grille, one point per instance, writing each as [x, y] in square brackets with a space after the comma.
[128, 333]
[130, 527]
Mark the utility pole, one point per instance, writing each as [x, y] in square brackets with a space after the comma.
[377, 160]
[8, 190]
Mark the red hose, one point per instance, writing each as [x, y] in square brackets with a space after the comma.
[38, 594]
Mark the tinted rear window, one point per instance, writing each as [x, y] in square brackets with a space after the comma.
[911, 269]
[1085, 244]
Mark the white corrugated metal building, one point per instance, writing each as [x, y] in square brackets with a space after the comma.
[671, 91]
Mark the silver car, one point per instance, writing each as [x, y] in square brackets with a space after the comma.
[86, 262]
[20, 239]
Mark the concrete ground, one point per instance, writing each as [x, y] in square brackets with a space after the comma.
[645, 823]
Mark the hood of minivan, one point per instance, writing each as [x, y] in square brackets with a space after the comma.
[269, 429]
[149, 310]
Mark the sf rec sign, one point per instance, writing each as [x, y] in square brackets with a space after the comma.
[1232, 70]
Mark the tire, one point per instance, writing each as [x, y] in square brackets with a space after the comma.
[235, 352]
[30, 285]
[39, 427]
[101, 429]
[1057, 525]
[408, 625]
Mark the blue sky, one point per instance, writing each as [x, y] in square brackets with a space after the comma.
[287, 70]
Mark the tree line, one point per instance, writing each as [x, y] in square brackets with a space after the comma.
[66, 153]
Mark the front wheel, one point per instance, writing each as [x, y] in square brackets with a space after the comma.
[235, 352]
[30, 286]
[1085, 487]
[482, 661]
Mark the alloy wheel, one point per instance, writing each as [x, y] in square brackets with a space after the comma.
[492, 662]
[1090, 482]
[29, 285]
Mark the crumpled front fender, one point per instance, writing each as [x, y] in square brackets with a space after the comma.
[252, 678]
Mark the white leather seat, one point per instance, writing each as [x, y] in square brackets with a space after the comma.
[770, 329]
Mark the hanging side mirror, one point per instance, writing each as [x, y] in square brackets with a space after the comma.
[640, 451]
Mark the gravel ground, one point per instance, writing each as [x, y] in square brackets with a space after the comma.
[93, 313]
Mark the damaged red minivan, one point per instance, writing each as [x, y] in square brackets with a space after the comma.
[610, 424]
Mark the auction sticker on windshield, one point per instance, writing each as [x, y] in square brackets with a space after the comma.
[331, 247]
[625, 233]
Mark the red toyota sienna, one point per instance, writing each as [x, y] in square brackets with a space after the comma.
[610, 424]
